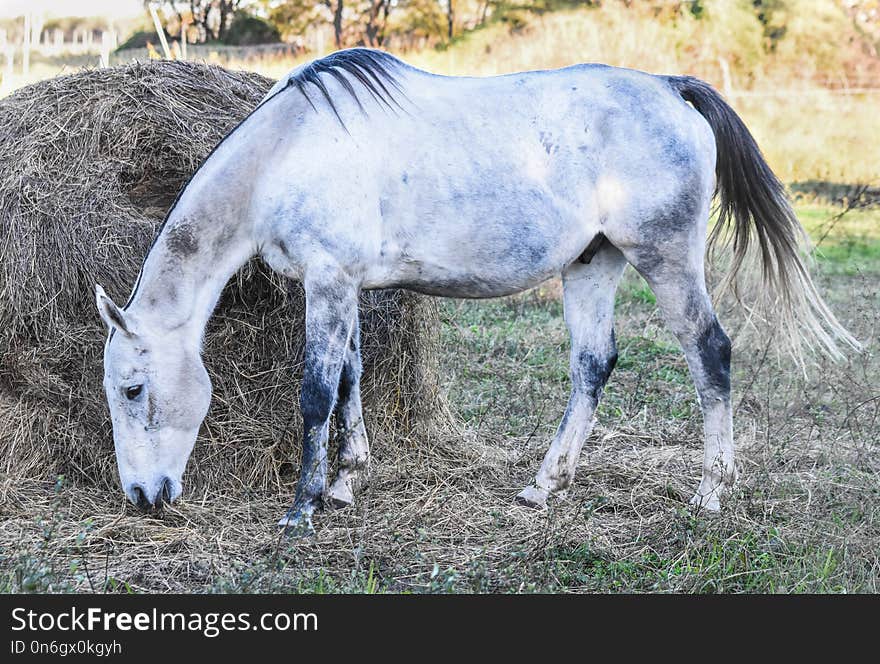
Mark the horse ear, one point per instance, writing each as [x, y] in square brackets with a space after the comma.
[112, 315]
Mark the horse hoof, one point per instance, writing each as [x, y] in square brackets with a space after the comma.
[532, 497]
[338, 496]
[709, 503]
[297, 525]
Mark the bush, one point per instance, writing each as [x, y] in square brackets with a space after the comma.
[139, 40]
[246, 30]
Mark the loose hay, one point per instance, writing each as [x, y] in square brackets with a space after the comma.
[89, 165]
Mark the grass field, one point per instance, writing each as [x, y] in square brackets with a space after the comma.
[805, 518]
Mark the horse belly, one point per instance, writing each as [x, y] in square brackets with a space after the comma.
[482, 248]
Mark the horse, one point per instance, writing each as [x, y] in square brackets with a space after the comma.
[359, 171]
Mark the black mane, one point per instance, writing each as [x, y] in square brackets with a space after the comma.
[372, 69]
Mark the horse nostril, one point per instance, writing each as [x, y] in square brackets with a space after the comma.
[164, 495]
[141, 498]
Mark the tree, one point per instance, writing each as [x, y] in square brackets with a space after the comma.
[294, 17]
[381, 23]
[212, 18]
[354, 22]
[337, 6]
[417, 24]
[450, 18]
[377, 22]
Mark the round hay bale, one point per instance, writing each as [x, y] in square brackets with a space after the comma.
[89, 164]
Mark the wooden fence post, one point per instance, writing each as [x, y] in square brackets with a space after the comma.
[105, 48]
[8, 51]
[184, 27]
[160, 31]
[26, 47]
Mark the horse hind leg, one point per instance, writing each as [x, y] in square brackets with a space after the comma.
[354, 448]
[676, 276]
[588, 298]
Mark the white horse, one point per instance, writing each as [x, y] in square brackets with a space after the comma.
[359, 171]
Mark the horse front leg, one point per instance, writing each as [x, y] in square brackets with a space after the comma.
[354, 447]
[331, 314]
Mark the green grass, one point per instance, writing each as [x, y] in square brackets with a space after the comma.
[850, 257]
[846, 242]
[736, 562]
[710, 561]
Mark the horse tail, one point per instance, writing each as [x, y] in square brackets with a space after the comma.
[753, 206]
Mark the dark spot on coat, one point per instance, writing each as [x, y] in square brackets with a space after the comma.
[678, 218]
[547, 141]
[151, 410]
[222, 240]
[713, 345]
[170, 293]
[649, 260]
[695, 305]
[350, 377]
[327, 292]
[593, 369]
[629, 94]
[181, 240]
[316, 399]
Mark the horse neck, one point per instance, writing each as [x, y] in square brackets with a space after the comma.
[205, 240]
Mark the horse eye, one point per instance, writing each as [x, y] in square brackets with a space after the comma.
[133, 391]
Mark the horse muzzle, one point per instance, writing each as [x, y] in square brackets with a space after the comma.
[153, 499]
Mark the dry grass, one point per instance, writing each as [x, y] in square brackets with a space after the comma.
[817, 134]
